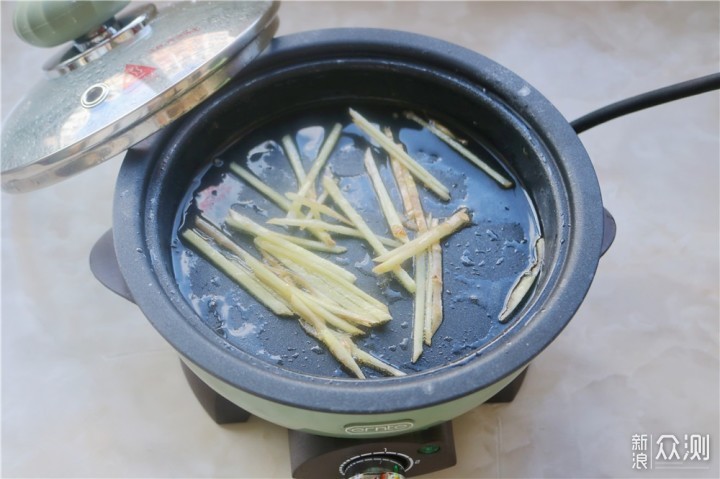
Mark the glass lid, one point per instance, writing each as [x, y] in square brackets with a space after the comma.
[147, 69]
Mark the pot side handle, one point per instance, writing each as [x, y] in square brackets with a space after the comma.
[609, 231]
[105, 268]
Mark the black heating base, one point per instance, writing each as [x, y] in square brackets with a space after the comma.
[218, 408]
[313, 456]
[412, 454]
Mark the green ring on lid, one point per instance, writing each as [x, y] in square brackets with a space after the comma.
[48, 23]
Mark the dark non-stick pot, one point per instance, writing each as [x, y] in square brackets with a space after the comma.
[321, 68]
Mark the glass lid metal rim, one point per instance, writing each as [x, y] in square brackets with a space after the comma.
[143, 121]
[31, 163]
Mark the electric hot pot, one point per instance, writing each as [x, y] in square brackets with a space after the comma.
[178, 86]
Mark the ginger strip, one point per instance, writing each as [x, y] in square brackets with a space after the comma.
[386, 204]
[277, 198]
[340, 351]
[408, 190]
[342, 293]
[350, 316]
[342, 345]
[366, 358]
[377, 364]
[327, 316]
[316, 206]
[237, 273]
[423, 303]
[419, 309]
[434, 283]
[313, 245]
[317, 165]
[339, 229]
[271, 289]
[287, 291]
[336, 289]
[259, 185]
[333, 314]
[402, 276]
[244, 224]
[314, 214]
[435, 273]
[428, 306]
[308, 243]
[392, 149]
[457, 146]
[393, 258]
[524, 282]
[293, 157]
[313, 263]
[323, 334]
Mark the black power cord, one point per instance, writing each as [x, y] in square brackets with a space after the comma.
[647, 100]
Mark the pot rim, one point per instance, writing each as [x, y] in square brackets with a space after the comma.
[579, 245]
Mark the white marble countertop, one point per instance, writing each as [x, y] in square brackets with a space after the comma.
[89, 389]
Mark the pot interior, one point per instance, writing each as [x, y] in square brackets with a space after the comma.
[481, 262]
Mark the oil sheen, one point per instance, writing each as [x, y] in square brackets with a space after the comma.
[480, 262]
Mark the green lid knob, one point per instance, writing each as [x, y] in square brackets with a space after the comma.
[51, 23]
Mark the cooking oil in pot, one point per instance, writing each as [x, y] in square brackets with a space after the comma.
[481, 263]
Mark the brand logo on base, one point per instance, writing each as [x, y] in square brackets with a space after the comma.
[382, 428]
